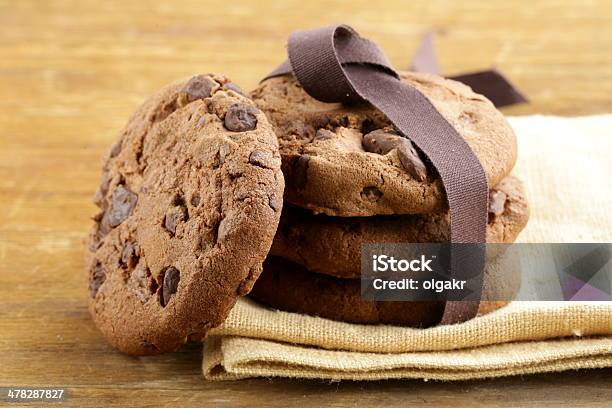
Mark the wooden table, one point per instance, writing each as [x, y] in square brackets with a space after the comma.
[72, 71]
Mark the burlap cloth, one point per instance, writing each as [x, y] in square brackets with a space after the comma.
[567, 169]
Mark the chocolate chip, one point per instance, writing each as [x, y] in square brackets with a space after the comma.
[300, 171]
[198, 87]
[241, 117]
[411, 161]
[130, 255]
[260, 158]
[97, 277]
[371, 193]
[116, 149]
[230, 86]
[123, 202]
[382, 142]
[497, 202]
[323, 134]
[173, 216]
[172, 276]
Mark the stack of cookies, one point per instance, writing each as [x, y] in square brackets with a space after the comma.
[351, 179]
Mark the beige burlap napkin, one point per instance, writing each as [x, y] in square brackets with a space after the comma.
[568, 175]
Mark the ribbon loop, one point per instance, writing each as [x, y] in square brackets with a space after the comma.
[317, 67]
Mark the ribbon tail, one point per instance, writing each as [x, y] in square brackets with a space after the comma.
[425, 59]
[490, 83]
[494, 85]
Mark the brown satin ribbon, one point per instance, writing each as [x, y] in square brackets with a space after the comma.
[335, 64]
[490, 82]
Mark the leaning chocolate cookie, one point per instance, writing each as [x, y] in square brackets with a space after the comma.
[189, 202]
[348, 161]
[332, 245]
[285, 285]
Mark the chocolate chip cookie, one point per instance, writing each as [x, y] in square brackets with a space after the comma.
[348, 161]
[332, 245]
[288, 286]
[189, 201]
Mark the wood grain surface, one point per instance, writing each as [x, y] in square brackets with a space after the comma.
[71, 72]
